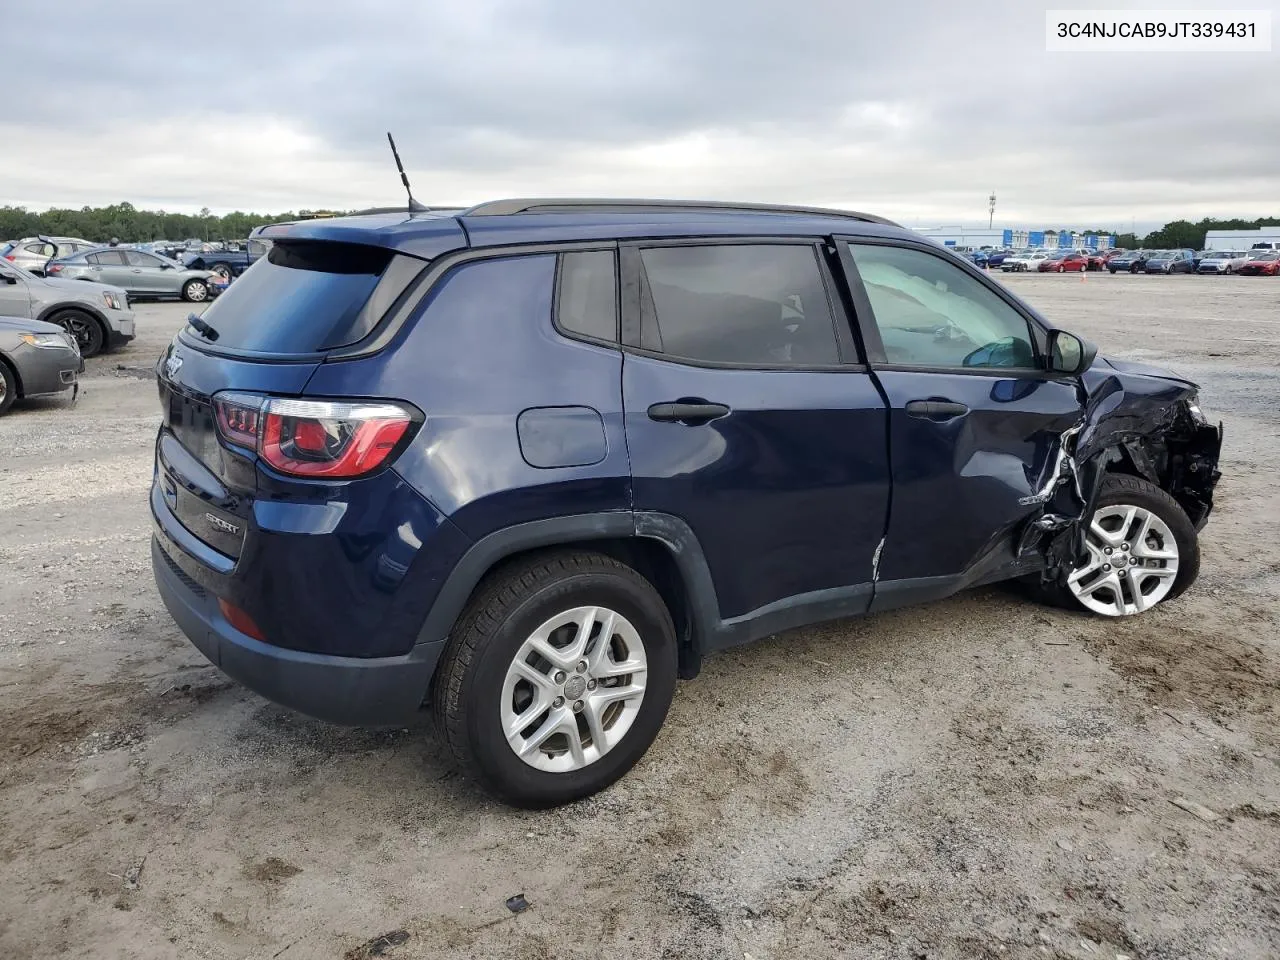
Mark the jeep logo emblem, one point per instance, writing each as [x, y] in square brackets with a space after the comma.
[221, 525]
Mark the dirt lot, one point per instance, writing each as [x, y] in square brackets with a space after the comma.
[982, 777]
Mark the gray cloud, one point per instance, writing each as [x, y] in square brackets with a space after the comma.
[916, 110]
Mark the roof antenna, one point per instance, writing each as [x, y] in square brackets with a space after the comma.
[414, 205]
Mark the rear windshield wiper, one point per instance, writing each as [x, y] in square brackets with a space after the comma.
[204, 329]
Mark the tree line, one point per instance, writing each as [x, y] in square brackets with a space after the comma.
[128, 224]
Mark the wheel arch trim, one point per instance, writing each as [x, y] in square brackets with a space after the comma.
[672, 532]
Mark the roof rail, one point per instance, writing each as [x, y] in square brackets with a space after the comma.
[500, 208]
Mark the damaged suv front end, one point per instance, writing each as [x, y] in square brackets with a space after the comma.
[1139, 421]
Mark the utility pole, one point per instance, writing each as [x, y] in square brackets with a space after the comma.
[991, 209]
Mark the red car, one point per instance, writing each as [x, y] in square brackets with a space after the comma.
[1062, 262]
[1098, 260]
[1266, 264]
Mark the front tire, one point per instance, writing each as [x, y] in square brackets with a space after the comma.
[8, 387]
[85, 328]
[1142, 550]
[557, 678]
[195, 291]
[222, 269]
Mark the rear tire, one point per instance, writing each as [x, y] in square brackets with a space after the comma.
[493, 693]
[1122, 491]
[8, 387]
[222, 270]
[85, 327]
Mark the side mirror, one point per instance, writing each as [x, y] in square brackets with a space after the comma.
[1069, 354]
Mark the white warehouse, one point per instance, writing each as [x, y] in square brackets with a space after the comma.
[1241, 239]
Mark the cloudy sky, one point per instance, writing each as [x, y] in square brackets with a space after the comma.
[914, 110]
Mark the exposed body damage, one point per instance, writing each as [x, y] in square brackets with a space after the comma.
[1138, 420]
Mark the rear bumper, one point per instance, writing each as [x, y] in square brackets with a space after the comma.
[355, 691]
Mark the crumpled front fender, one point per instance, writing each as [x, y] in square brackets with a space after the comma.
[1138, 420]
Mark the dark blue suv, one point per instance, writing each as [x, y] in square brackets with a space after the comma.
[528, 463]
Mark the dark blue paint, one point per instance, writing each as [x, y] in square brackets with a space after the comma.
[787, 494]
[479, 351]
[956, 484]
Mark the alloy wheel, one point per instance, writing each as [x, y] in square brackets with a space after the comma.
[1132, 562]
[573, 689]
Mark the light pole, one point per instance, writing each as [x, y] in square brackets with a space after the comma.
[991, 209]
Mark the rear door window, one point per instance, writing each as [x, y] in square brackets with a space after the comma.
[107, 258]
[305, 296]
[748, 305]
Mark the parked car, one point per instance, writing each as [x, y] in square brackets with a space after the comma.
[36, 358]
[139, 273]
[1170, 261]
[997, 257]
[1097, 259]
[230, 263]
[1064, 261]
[1267, 245]
[1197, 256]
[1023, 262]
[1264, 263]
[1132, 262]
[1223, 261]
[980, 257]
[97, 315]
[532, 503]
[32, 253]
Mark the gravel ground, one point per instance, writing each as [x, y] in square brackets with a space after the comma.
[981, 777]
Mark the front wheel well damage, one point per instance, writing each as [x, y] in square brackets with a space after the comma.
[1179, 454]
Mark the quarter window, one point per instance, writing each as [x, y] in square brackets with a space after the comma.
[588, 299]
[931, 313]
[751, 305]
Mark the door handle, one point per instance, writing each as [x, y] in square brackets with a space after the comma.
[936, 410]
[688, 413]
[137, 269]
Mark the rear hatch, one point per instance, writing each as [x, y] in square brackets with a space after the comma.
[264, 337]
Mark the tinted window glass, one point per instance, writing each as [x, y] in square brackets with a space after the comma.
[588, 301]
[931, 313]
[749, 304]
[307, 296]
[107, 258]
[137, 259]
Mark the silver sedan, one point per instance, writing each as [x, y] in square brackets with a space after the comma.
[140, 273]
[35, 358]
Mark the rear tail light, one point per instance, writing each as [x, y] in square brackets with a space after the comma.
[10, 257]
[52, 268]
[315, 438]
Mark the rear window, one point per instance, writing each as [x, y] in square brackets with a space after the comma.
[307, 296]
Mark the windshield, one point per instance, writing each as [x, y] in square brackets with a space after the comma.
[1268, 255]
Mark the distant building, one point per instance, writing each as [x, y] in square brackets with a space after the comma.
[1240, 239]
[979, 237]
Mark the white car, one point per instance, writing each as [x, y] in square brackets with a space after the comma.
[1024, 262]
[1223, 261]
